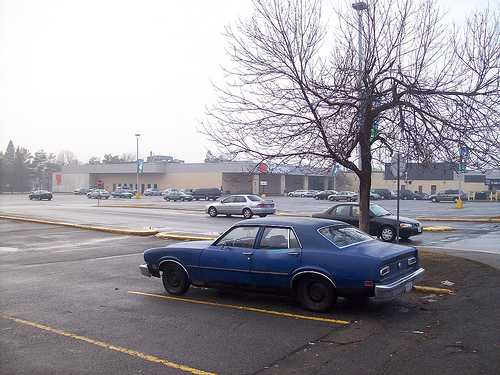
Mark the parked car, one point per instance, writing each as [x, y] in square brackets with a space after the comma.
[383, 224]
[188, 191]
[246, 205]
[324, 194]
[122, 193]
[40, 194]
[349, 196]
[314, 260]
[152, 191]
[448, 195]
[384, 193]
[129, 188]
[408, 194]
[206, 194]
[81, 191]
[98, 193]
[177, 196]
[302, 193]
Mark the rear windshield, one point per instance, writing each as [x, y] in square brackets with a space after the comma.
[344, 235]
[254, 198]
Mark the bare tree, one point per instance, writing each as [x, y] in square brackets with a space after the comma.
[66, 157]
[421, 89]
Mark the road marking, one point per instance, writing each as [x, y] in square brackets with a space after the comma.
[132, 353]
[243, 308]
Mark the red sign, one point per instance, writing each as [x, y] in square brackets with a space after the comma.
[100, 183]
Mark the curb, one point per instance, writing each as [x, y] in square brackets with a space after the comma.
[145, 232]
[429, 289]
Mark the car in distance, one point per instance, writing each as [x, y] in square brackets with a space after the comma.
[448, 195]
[384, 193]
[122, 193]
[129, 189]
[98, 194]
[246, 205]
[349, 196]
[81, 191]
[408, 195]
[383, 224]
[314, 260]
[302, 193]
[152, 191]
[177, 196]
[206, 194]
[324, 194]
[40, 195]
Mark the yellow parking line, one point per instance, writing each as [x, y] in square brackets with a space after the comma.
[133, 353]
[244, 308]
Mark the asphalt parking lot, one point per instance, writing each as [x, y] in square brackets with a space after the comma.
[73, 300]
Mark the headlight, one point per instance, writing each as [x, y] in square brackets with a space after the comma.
[405, 225]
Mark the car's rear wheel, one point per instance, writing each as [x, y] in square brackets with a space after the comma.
[387, 233]
[348, 199]
[175, 280]
[316, 293]
[247, 213]
[212, 211]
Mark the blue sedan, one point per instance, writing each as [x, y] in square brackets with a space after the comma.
[315, 260]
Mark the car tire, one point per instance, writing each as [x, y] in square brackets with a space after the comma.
[317, 198]
[387, 233]
[455, 199]
[434, 200]
[182, 199]
[212, 211]
[247, 213]
[167, 199]
[331, 198]
[175, 279]
[316, 293]
[207, 198]
[348, 199]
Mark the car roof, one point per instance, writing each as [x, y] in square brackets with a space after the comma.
[304, 223]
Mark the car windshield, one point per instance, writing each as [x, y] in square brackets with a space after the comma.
[344, 235]
[378, 211]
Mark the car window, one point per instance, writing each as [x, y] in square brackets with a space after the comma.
[355, 211]
[342, 210]
[278, 238]
[228, 200]
[254, 198]
[239, 199]
[239, 237]
[344, 235]
[378, 211]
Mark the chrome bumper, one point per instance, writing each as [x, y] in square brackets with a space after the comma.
[144, 270]
[399, 286]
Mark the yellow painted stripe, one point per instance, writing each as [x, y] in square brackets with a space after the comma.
[133, 353]
[244, 308]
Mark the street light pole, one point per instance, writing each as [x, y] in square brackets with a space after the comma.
[137, 167]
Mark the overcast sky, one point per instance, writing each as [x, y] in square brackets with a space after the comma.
[87, 75]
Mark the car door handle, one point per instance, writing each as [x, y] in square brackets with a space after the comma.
[294, 254]
[248, 254]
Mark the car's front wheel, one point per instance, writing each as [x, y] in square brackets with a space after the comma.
[175, 279]
[247, 213]
[387, 233]
[434, 200]
[331, 198]
[212, 211]
[316, 293]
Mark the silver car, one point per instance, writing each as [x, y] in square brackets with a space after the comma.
[246, 205]
[98, 193]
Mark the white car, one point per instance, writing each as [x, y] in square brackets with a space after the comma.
[246, 205]
[349, 196]
[98, 194]
[302, 193]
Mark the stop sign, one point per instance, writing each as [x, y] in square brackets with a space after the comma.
[100, 183]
